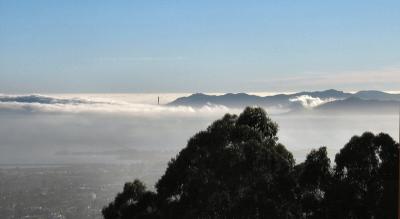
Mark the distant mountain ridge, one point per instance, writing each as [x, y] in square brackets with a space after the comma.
[376, 95]
[243, 99]
[357, 105]
[327, 100]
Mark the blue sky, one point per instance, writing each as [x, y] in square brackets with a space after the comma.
[198, 46]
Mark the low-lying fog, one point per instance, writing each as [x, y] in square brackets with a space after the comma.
[68, 155]
[113, 128]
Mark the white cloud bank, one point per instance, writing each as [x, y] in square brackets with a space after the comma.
[35, 128]
[55, 104]
[310, 102]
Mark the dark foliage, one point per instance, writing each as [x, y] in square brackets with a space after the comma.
[133, 202]
[314, 177]
[237, 169]
[365, 183]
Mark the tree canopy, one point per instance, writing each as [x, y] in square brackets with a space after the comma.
[236, 168]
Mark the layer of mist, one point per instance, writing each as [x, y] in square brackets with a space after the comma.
[69, 154]
[37, 129]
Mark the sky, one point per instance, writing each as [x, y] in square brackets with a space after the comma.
[153, 46]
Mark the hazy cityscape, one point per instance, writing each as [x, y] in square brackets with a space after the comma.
[66, 191]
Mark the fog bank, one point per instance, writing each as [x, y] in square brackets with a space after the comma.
[82, 128]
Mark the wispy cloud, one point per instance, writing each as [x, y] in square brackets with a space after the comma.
[141, 58]
[381, 79]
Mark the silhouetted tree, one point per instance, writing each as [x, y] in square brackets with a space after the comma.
[365, 179]
[233, 169]
[237, 169]
[133, 202]
[314, 178]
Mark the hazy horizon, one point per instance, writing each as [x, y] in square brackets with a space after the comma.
[91, 127]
